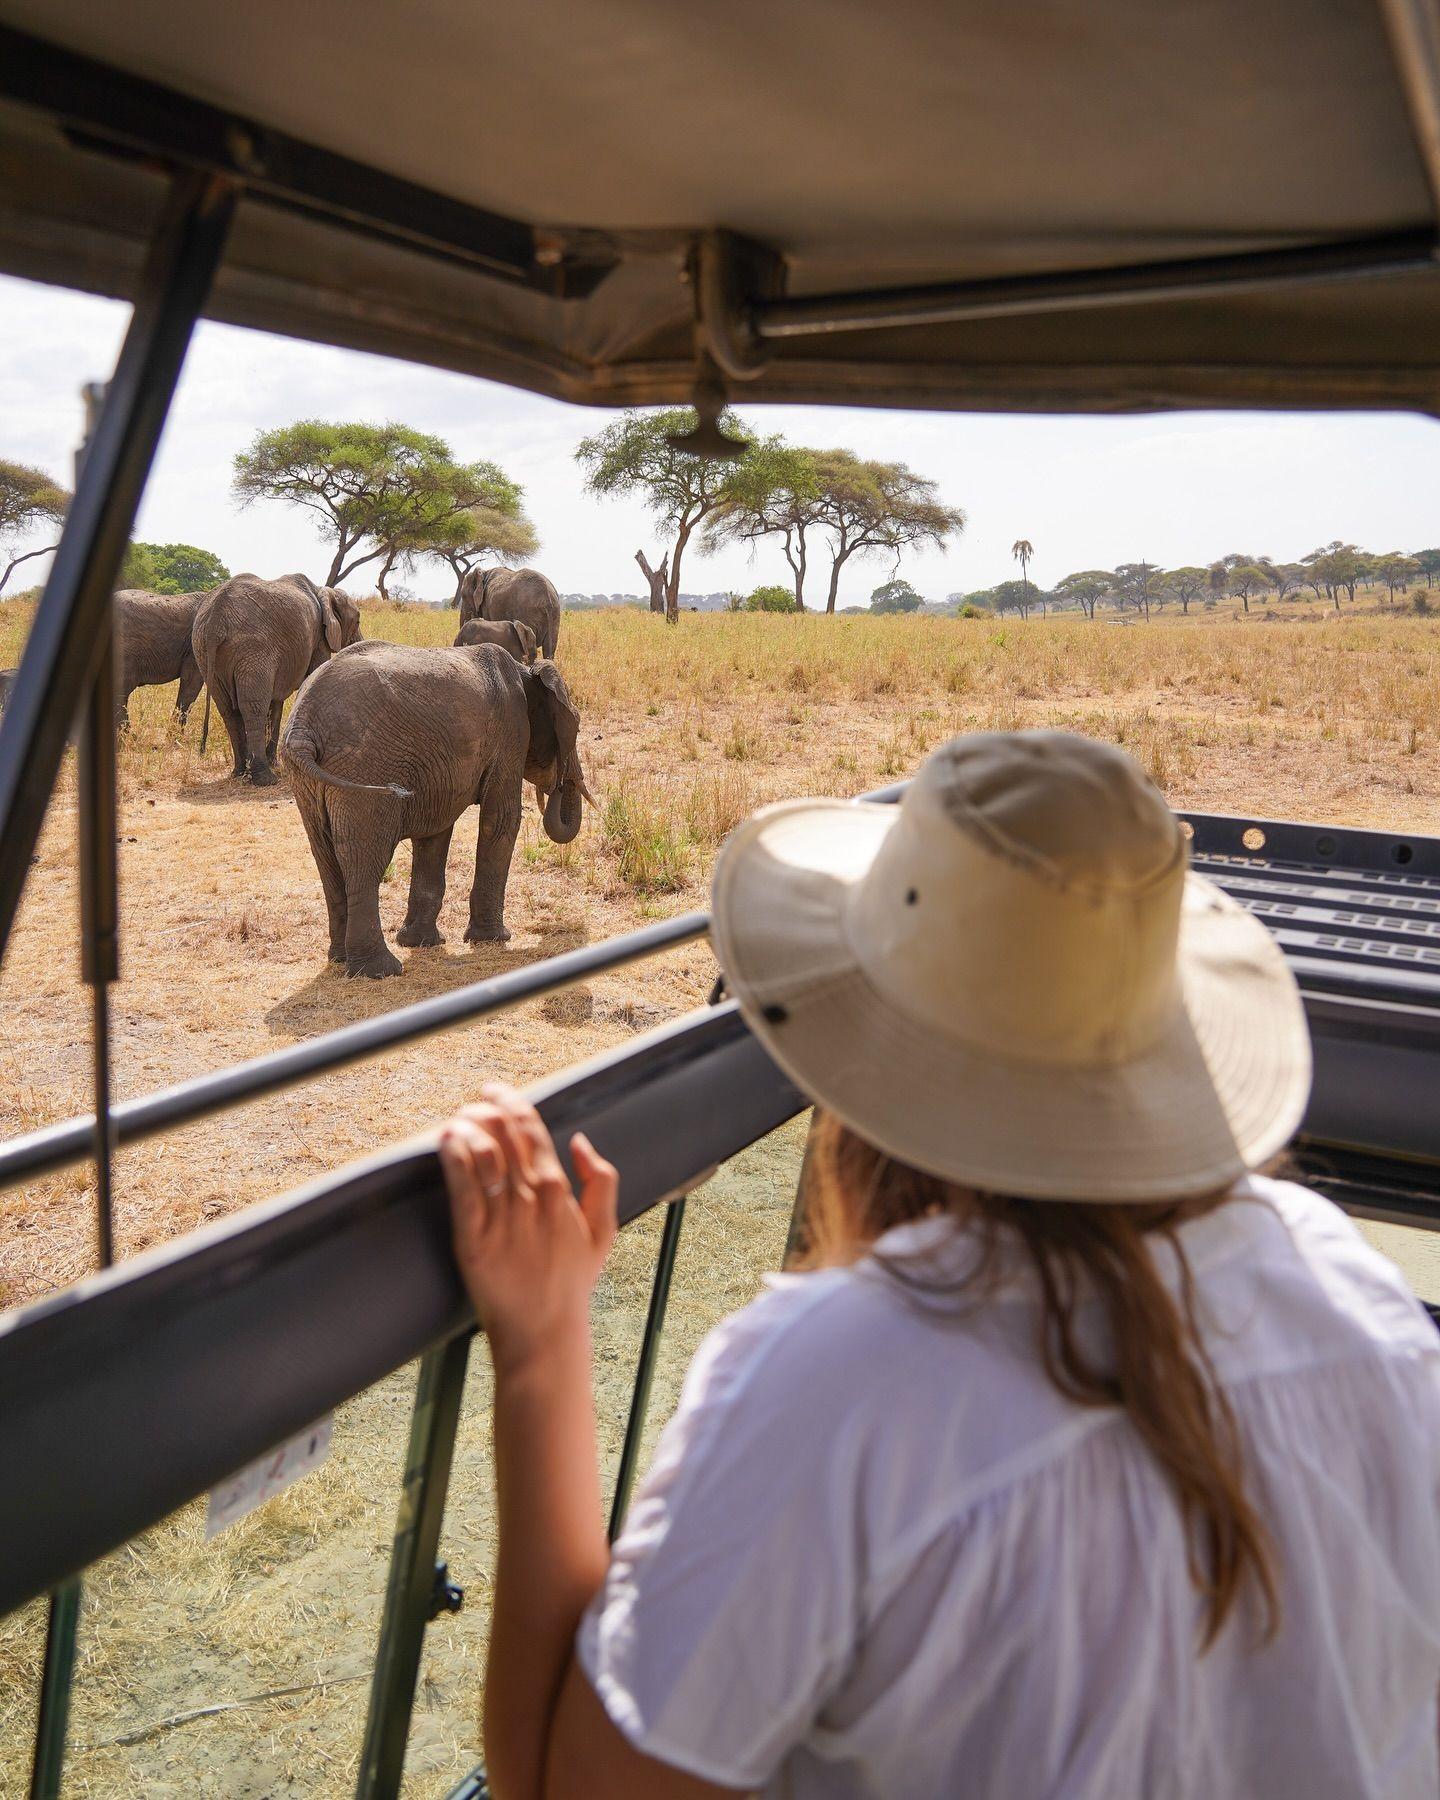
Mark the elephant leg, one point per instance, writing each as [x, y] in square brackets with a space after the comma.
[191, 682]
[272, 736]
[254, 697]
[494, 847]
[365, 834]
[427, 890]
[332, 876]
[234, 729]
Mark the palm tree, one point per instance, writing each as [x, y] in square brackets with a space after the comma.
[1022, 550]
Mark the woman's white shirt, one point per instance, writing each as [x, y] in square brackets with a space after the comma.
[880, 1555]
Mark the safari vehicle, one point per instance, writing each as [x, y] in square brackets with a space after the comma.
[1092, 207]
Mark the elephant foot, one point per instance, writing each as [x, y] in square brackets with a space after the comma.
[487, 934]
[336, 952]
[419, 937]
[376, 967]
[238, 772]
[262, 775]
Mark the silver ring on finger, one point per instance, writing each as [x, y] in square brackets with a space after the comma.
[492, 1190]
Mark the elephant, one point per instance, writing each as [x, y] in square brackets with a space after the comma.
[391, 741]
[510, 634]
[523, 594]
[255, 642]
[153, 644]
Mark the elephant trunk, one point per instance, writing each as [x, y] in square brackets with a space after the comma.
[562, 813]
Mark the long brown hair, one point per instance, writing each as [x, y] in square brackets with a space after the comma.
[1161, 1372]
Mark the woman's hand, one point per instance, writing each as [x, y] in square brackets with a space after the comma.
[530, 1253]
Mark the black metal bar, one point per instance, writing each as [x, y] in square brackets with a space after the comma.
[64, 647]
[1074, 290]
[99, 917]
[230, 1340]
[57, 1146]
[128, 114]
[645, 1366]
[52, 1726]
[410, 1590]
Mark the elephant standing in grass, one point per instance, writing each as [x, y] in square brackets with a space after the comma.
[390, 741]
[523, 594]
[510, 634]
[153, 639]
[255, 642]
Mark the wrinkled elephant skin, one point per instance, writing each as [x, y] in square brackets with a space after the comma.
[392, 741]
[255, 642]
[153, 641]
[523, 594]
[510, 634]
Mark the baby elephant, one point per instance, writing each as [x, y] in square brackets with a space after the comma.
[390, 741]
[513, 635]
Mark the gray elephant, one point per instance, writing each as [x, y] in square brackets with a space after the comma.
[523, 594]
[389, 741]
[510, 634]
[153, 641]
[255, 642]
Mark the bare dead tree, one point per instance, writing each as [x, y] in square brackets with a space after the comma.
[657, 578]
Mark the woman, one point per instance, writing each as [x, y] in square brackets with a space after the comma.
[1083, 1461]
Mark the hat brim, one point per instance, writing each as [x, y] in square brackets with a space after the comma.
[1222, 1090]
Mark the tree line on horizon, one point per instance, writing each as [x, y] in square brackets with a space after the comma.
[388, 497]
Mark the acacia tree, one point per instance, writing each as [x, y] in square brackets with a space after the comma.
[1087, 588]
[633, 456]
[775, 492]
[870, 507]
[1136, 583]
[1187, 583]
[506, 537]
[29, 498]
[1011, 596]
[1333, 566]
[1397, 571]
[384, 493]
[1429, 562]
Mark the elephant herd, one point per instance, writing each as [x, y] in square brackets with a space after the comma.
[385, 741]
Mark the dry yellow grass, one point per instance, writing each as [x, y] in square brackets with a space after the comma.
[223, 941]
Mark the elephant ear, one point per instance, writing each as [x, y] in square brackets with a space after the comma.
[334, 631]
[563, 715]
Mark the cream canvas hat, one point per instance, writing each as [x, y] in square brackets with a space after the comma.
[1012, 981]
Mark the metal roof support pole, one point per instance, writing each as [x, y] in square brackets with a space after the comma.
[418, 1589]
[54, 1719]
[65, 645]
[645, 1367]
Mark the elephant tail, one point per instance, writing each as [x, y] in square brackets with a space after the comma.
[298, 758]
[205, 722]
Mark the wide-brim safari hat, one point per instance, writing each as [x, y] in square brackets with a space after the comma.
[1012, 979]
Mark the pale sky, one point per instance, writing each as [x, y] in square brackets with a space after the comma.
[1088, 493]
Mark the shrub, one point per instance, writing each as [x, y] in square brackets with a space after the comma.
[773, 598]
[1420, 603]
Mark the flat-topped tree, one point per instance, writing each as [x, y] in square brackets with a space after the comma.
[506, 537]
[633, 456]
[29, 500]
[1187, 583]
[775, 492]
[383, 493]
[1086, 588]
[877, 507]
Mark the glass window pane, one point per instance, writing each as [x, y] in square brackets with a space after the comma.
[243, 1665]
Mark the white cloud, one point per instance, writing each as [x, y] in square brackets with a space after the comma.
[1088, 493]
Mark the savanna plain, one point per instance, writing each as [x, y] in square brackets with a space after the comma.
[240, 1667]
